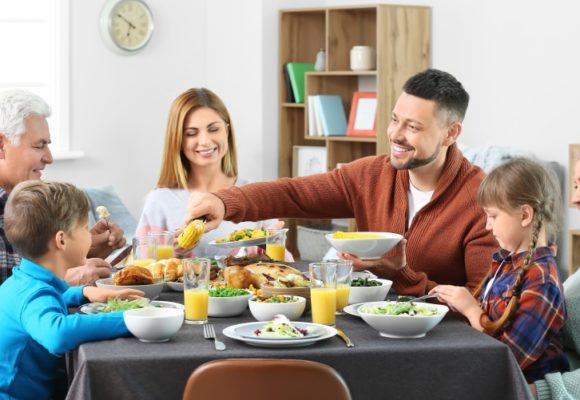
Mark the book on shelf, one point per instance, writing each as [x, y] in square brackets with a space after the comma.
[330, 110]
[312, 126]
[296, 73]
[289, 92]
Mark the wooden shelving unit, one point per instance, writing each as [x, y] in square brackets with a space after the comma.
[401, 37]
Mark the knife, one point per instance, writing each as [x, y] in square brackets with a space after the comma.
[343, 336]
[120, 256]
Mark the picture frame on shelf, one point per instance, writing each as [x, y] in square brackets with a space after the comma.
[362, 119]
[308, 160]
[574, 156]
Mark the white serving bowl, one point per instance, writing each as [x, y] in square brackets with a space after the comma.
[364, 294]
[292, 291]
[152, 291]
[153, 324]
[227, 306]
[366, 248]
[266, 311]
[402, 326]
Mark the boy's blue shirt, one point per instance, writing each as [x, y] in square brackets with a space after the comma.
[37, 329]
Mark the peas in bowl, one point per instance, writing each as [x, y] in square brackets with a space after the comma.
[227, 302]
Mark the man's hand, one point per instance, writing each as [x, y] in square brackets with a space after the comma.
[106, 237]
[387, 266]
[102, 294]
[205, 205]
[87, 274]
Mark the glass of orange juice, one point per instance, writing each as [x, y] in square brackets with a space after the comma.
[323, 292]
[196, 273]
[144, 250]
[165, 241]
[343, 278]
[276, 243]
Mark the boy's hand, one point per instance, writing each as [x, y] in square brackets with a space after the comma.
[102, 294]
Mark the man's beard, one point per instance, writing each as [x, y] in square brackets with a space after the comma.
[418, 162]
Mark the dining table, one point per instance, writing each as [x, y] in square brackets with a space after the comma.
[452, 361]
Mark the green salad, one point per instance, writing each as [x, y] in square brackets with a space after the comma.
[121, 305]
[409, 309]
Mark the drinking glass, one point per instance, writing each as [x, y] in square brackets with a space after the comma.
[144, 250]
[323, 292]
[196, 289]
[343, 278]
[276, 243]
[165, 240]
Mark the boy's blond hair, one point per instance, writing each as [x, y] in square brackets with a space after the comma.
[37, 210]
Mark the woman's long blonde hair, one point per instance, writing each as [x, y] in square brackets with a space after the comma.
[175, 167]
[513, 184]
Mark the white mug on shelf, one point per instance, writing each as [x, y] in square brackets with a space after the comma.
[362, 58]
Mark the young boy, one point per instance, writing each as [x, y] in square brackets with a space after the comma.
[46, 222]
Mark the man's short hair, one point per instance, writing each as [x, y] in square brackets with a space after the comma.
[37, 210]
[15, 106]
[448, 93]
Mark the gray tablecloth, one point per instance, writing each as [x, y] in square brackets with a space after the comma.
[453, 361]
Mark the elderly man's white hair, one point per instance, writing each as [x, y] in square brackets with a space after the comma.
[15, 107]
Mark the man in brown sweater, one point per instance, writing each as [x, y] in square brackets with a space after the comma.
[425, 189]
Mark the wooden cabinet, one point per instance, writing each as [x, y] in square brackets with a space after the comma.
[400, 36]
[574, 259]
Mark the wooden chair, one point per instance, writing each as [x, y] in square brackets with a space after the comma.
[265, 379]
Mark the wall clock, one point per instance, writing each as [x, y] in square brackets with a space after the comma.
[126, 25]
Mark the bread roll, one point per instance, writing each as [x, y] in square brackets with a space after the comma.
[133, 275]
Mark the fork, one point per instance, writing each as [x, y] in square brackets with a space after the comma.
[427, 296]
[209, 333]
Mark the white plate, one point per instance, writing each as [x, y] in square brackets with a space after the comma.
[352, 309]
[323, 332]
[239, 243]
[91, 308]
[177, 286]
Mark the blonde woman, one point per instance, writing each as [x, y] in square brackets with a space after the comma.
[199, 155]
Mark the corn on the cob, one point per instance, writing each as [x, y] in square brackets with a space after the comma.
[191, 234]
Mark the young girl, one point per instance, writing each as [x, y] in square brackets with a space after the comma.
[520, 302]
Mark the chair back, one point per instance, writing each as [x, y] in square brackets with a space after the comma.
[265, 379]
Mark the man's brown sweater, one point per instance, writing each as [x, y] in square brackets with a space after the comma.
[447, 240]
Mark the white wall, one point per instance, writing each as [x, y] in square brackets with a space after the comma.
[517, 59]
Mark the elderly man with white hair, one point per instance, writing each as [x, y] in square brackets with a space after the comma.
[24, 153]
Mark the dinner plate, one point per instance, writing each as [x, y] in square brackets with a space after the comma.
[247, 331]
[352, 309]
[176, 286]
[320, 332]
[239, 243]
[95, 308]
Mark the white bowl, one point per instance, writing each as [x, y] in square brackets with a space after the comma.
[266, 311]
[152, 291]
[363, 294]
[402, 326]
[227, 306]
[366, 248]
[152, 324]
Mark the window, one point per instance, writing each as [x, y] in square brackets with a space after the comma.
[34, 41]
